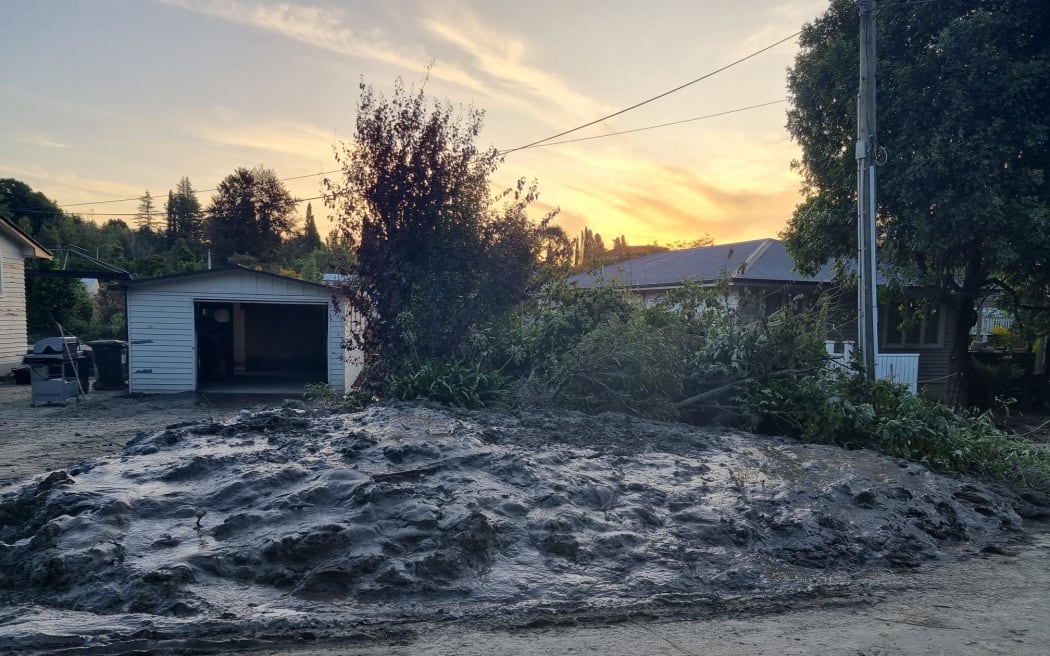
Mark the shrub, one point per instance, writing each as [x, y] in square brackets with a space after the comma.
[452, 382]
[623, 366]
[846, 409]
[322, 395]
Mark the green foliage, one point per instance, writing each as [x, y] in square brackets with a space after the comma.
[184, 216]
[963, 196]
[429, 241]
[1006, 338]
[250, 213]
[627, 366]
[54, 301]
[322, 395]
[840, 407]
[554, 322]
[452, 382]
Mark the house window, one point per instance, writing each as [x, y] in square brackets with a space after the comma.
[912, 322]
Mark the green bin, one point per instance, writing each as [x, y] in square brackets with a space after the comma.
[111, 363]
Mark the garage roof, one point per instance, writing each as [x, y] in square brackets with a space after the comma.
[213, 272]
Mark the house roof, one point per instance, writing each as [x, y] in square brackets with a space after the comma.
[759, 260]
[144, 282]
[9, 228]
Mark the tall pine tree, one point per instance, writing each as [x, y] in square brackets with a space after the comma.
[184, 214]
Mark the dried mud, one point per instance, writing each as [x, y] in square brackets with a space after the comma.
[288, 523]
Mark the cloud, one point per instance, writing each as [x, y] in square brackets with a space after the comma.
[80, 188]
[327, 28]
[502, 59]
[658, 202]
[41, 140]
[779, 19]
[226, 127]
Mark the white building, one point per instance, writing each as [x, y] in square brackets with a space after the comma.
[235, 330]
[15, 247]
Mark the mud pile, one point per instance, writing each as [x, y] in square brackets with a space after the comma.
[283, 520]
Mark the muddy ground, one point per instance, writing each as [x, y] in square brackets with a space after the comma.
[411, 522]
[40, 439]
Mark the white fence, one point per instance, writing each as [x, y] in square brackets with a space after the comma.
[901, 368]
[991, 318]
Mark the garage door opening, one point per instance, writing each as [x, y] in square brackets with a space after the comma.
[260, 347]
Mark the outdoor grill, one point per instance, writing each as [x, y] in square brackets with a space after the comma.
[54, 365]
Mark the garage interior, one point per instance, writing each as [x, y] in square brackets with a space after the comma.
[265, 348]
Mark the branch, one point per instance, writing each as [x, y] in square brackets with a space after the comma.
[693, 400]
[1016, 296]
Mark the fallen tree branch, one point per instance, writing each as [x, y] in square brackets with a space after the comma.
[693, 400]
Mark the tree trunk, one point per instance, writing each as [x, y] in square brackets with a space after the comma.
[960, 367]
[964, 305]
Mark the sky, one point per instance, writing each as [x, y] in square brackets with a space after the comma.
[105, 99]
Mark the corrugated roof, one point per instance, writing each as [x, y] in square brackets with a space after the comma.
[757, 260]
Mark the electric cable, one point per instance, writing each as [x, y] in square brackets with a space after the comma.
[653, 127]
[658, 96]
[195, 191]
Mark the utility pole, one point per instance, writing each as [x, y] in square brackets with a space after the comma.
[867, 304]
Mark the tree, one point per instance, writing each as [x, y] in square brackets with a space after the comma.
[54, 301]
[963, 196]
[250, 214]
[311, 237]
[147, 213]
[435, 256]
[34, 212]
[183, 214]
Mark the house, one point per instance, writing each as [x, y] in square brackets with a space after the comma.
[761, 274]
[235, 329]
[15, 247]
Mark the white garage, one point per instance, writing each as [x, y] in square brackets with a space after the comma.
[235, 330]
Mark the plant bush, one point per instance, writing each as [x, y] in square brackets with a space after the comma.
[452, 382]
[844, 408]
[322, 395]
[622, 366]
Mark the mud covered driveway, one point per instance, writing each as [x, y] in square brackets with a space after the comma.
[286, 523]
[38, 440]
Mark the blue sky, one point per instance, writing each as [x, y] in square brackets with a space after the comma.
[108, 98]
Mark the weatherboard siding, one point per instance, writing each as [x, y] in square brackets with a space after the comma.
[13, 334]
[161, 335]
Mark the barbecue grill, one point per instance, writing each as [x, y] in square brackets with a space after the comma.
[53, 367]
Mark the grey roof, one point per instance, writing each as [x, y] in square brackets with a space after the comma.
[139, 282]
[759, 260]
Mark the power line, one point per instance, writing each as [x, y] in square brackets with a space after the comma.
[656, 97]
[537, 145]
[196, 191]
[541, 141]
[651, 127]
[904, 3]
[159, 215]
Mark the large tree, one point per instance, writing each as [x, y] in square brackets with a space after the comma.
[963, 87]
[147, 213]
[183, 214]
[435, 255]
[250, 214]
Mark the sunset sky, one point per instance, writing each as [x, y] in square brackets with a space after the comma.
[105, 99]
